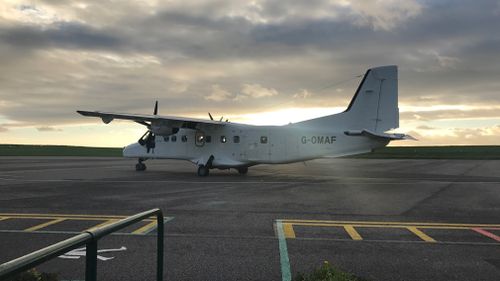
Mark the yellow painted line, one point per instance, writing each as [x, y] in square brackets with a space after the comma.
[304, 222]
[4, 218]
[102, 224]
[36, 227]
[72, 216]
[420, 234]
[145, 229]
[288, 230]
[352, 232]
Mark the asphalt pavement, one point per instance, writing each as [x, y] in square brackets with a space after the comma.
[378, 219]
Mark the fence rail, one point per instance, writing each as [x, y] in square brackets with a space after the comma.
[88, 238]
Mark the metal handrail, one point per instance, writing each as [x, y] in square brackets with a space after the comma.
[88, 238]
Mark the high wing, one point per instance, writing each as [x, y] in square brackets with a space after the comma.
[171, 121]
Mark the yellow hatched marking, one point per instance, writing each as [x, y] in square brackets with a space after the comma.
[352, 232]
[145, 229]
[40, 226]
[420, 234]
[385, 224]
[288, 230]
[391, 225]
[102, 224]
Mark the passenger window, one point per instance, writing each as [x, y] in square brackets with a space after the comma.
[208, 138]
[263, 139]
[223, 139]
[173, 138]
[184, 138]
[166, 139]
[236, 139]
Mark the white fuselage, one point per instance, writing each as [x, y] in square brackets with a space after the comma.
[238, 145]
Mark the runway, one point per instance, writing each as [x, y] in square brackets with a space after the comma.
[378, 219]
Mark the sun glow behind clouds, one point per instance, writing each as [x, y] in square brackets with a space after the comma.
[284, 116]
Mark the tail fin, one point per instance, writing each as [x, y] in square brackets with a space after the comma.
[374, 107]
[375, 104]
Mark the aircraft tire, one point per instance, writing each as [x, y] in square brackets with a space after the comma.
[243, 170]
[203, 171]
[140, 167]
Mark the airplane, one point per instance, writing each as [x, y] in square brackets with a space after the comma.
[209, 144]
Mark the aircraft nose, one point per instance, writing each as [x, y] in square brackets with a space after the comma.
[132, 150]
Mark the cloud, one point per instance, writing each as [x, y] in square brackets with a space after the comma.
[255, 91]
[59, 56]
[48, 129]
[218, 94]
[59, 34]
[425, 127]
[303, 94]
[459, 136]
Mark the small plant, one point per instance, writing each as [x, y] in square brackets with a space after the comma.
[34, 275]
[326, 272]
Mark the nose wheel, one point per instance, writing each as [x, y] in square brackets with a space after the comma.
[140, 166]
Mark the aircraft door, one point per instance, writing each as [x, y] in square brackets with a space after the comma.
[199, 138]
[277, 145]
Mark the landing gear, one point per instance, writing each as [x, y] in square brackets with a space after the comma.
[243, 170]
[203, 171]
[140, 166]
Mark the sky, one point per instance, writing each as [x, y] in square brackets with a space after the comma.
[257, 62]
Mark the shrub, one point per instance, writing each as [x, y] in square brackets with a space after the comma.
[326, 272]
[34, 275]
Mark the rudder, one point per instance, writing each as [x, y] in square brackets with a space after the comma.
[375, 104]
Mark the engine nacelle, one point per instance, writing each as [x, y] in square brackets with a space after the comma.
[163, 130]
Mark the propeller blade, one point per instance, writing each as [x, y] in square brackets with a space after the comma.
[144, 123]
[155, 112]
[222, 117]
[210, 115]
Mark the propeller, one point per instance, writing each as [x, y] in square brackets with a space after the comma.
[220, 120]
[148, 138]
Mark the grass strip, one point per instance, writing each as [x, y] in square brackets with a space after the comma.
[58, 150]
[392, 152]
[434, 152]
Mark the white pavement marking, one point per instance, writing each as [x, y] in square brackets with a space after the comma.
[80, 252]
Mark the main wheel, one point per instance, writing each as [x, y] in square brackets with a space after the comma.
[203, 171]
[140, 167]
[243, 170]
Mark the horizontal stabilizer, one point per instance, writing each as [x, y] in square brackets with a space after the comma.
[368, 133]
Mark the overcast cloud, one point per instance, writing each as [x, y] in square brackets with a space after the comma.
[232, 58]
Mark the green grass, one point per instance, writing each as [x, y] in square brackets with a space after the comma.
[57, 150]
[326, 272]
[434, 152]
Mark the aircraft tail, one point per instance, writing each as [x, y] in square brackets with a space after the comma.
[374, 107]
[375, 104]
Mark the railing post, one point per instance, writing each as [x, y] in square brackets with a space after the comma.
[91, 261]
[159, 242]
